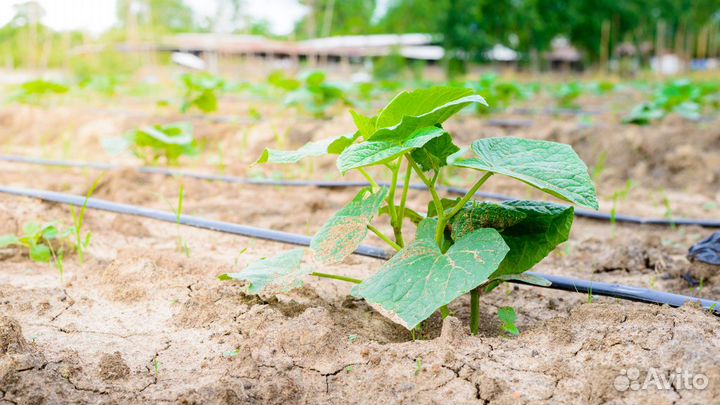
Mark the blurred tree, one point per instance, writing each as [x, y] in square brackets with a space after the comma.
[156, 16]
[331, 17]
[412, 16]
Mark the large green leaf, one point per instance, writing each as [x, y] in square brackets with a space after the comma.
[278, 274]
[420, 278]
[552, 167]
[334, 145]
[381, 151]
[532, 229]
[409, 111]
[346, 230]
[433, 155]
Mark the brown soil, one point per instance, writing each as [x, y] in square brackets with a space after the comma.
[140, 322]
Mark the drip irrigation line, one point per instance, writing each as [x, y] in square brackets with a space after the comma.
[557, 282]
[579, 212]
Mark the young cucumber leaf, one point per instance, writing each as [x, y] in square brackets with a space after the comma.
[420, 278]
[365, 125]
[434, 154]
[508, 318]
[552, 167]
[333, 145]
[40, 253]
[532, 229]
[385, 149]
[346, 230]
[278, 274]
[410, 111]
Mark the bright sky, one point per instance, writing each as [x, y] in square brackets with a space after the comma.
[96, 16]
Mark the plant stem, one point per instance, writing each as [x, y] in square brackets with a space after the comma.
[384, 238]
[442, 220]
[336, 277]
[436, 200]
[469, 194]
[367, 176]
[391, 195]
[444, 311]
[401, 210]
[475, 310]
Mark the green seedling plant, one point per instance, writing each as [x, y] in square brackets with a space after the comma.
[461, 245]
[157, 142]
[44, 243]
[78, 217]
[498, 94]
[567, 94]
[311, 92]
[107, 85]
[201, 91]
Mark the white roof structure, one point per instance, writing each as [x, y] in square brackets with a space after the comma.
[369, 41]
[501, 53]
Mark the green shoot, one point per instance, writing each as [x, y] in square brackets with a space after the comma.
[599, 166]
[181, 242]
[82, 243]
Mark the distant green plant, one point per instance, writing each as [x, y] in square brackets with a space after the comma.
[33, 91]
[310, 92]
[104, 84]
[567, 94]
[153, 143]
[602, 87]
[498, 94]
[461, 245]
[201, 91]
[682, 97]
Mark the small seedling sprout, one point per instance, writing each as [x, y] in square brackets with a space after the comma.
[82, 243]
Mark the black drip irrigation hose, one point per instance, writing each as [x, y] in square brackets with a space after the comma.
[579, 212]
[557, 282]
